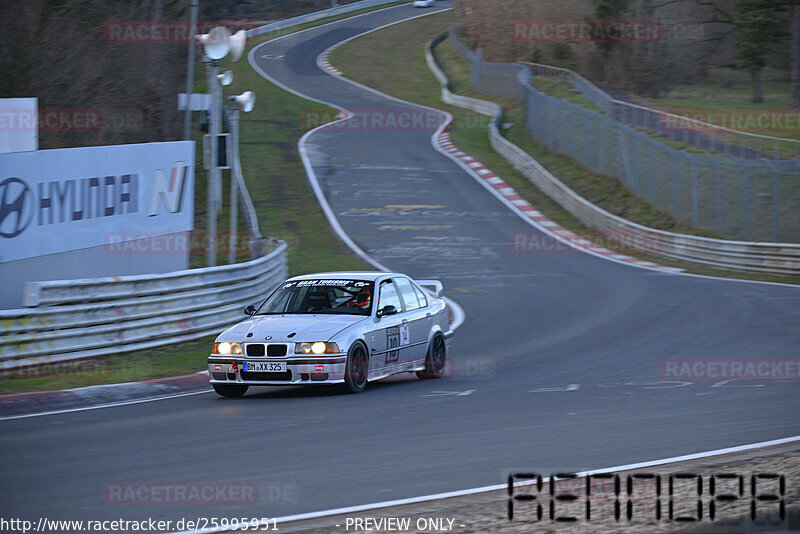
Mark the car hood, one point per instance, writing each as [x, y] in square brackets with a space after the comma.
[304, 327]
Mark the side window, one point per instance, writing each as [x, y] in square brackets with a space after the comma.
[407, 291]
[280, 304]
[388, 296]
[423, 300]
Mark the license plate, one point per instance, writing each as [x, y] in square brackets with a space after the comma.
[265, 367]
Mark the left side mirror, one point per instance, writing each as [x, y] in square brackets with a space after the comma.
[249, 309]
[387, 310]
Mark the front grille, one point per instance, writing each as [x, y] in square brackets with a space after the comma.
[254, 349]
[261, 349]
[276, 350]
[287, 376]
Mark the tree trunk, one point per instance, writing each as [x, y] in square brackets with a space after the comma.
[794, 55]
[755, 80]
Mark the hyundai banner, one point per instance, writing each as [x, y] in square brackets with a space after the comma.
[55, 201]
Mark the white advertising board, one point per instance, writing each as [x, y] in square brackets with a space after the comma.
[55, 201]
[19, 125]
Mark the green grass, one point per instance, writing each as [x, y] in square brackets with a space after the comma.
[286, 207]
[564, 91]
[724, 99]
[160, 362]
[375, 59]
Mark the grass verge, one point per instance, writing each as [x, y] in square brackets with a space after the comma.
[375, 60]
[286, 207]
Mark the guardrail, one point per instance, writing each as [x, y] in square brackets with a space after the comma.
[771, 258]
[78, 319]
[317, 15]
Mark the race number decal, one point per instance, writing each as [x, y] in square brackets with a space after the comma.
[404, 334]
[392, 342]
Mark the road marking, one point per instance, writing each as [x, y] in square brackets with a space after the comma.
[450, 393]
[723, 384]
[660, 384]
[109, 405]
[458, 312]
[498, 487]
[273, 56]
[407, 207]
[568, 387]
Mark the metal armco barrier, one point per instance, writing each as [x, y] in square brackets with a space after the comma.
[76, 319]
[317, 15]
[740, 186]
[771, 258]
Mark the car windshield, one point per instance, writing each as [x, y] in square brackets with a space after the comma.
[350, 297]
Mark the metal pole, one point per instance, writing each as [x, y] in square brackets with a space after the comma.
[187, 118]
[775, 198]
[719, 195]
[234, 188]
[745, 201]
[695, 200]
[214, 172]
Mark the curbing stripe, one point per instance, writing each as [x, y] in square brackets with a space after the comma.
[509, 193]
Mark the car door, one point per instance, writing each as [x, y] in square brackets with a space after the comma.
[415, 321]
[391, 332]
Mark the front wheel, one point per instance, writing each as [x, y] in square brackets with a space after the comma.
[230, 390]
[435, 360]
[356, 369]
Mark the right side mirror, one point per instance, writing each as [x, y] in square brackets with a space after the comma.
[249, 309]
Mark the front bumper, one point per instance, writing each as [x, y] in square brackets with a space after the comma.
[299, 370]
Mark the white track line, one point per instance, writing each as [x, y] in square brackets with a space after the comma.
[109, 405]
[436, 140]
[498, 487]
[458, 311]
[362, 254]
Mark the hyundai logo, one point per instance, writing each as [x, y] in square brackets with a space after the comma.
[16, 207]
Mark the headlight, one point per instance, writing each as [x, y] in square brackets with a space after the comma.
[316, 347]
[227, 347]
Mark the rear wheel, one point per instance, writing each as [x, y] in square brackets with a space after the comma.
[435, 359]
[356, 369]
[230, 390]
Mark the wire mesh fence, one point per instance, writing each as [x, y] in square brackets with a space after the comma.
[734, 190]
[683, 128]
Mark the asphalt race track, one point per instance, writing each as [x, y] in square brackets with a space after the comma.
[558, 364]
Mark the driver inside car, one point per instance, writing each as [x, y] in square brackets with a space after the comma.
[361, 300]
